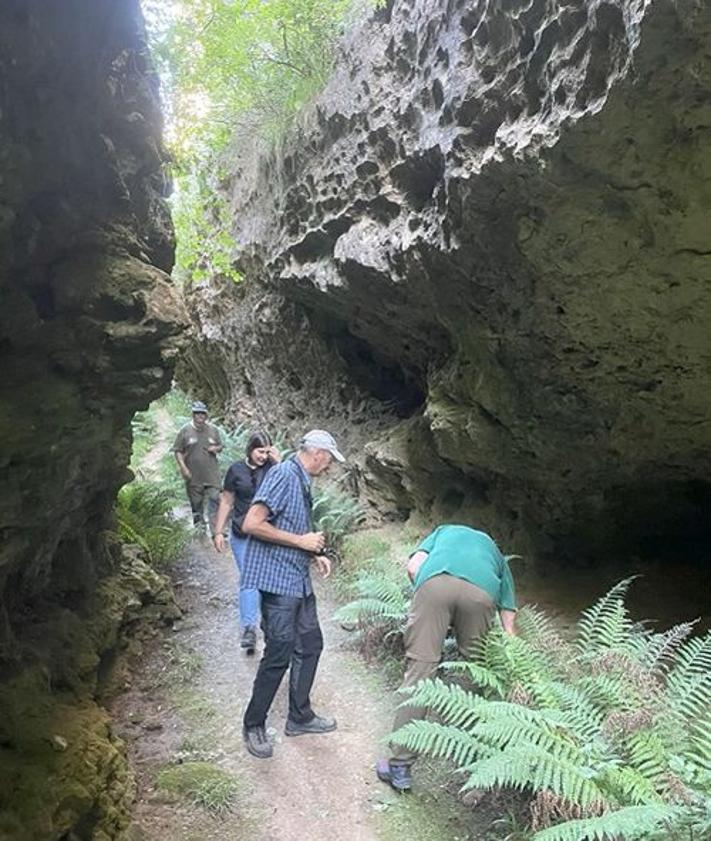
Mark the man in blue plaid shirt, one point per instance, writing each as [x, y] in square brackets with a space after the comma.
[280, 550]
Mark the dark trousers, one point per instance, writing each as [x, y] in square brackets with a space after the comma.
[292, 639]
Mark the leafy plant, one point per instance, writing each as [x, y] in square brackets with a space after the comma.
[144, 516]
[335, 512]
[609, 733]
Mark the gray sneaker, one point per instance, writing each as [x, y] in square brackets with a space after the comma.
[318, 724]
[397, 774]
[257, 743]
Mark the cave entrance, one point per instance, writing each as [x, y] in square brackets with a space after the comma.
[373, 372]
[657, 530]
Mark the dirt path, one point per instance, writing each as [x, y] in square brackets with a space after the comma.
[164, 430]
[187, 702]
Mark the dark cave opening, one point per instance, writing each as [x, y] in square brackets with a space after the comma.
[658, 531]
[372, 372]
[383, 378]
[661, 519]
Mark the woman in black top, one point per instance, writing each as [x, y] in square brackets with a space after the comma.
[241, 483]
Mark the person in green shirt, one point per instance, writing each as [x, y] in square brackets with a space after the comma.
[196, 447]
[460, 580]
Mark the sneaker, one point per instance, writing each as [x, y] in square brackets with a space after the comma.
[397, 774]
[256, 742]
[318, 724]
[249, 640]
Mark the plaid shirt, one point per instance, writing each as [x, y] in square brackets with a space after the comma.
[286, 491]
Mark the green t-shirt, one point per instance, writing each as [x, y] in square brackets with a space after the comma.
[193, 444]
[471, 555]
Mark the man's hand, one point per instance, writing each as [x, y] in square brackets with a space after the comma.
[214, 449]
[312, 541]
[219, 542]
[324, 565]
[508, 621]
[186, 474]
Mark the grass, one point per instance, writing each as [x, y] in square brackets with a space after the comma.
[193, 706]
[182, 666]
[201, 784]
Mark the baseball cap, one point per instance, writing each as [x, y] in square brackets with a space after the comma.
[322, 440]
[199, 406]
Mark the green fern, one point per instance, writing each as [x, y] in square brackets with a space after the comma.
[614, 726]
[379, 600]
[631, 822]
[144, 516]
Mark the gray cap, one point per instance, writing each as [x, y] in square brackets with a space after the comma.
[322, 440]
[199, 406]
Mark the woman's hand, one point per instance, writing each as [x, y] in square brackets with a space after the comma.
[274, 455]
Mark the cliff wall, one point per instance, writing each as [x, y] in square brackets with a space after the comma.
[88, 325]
[495, 221]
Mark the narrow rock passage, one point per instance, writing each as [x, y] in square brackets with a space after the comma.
[315, 787]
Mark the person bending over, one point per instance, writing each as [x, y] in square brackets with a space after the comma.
[460, 580]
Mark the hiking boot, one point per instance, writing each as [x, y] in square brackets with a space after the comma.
[256, 742]
[318, 724]
[249, 640]
[397, 774]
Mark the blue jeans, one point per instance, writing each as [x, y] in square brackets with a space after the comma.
[248, 599]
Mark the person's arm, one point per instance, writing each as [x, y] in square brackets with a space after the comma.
[218, 446]
[508, 621]
[179, 453]
[227, 501]
[507, 599]
[419, 556]
[414, 563]
[256, 524]
[182, 466]
[274, 455]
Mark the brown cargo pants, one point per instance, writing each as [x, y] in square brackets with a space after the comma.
[201, 497]
[442, 602]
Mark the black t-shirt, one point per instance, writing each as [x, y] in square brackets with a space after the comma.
[243, 481]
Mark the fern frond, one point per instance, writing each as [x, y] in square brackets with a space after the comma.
[658, 651]
[602, 620]
[455, 704]
[378, 598]
[629, 823]
[440, 741]
[631, 786]
[479, 675]
[530, 767]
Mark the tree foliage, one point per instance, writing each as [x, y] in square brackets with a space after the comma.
[234, 68]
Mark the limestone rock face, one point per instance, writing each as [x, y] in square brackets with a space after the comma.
[88, 325]
[497, 216]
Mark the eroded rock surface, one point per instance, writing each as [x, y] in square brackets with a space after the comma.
[87, 336]
[498, 214]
